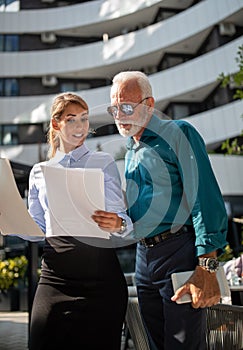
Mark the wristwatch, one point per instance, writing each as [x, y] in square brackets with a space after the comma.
[209, 264]
[123, 226]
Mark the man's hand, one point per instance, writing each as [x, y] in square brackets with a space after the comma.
[109, 222]
[203, 287]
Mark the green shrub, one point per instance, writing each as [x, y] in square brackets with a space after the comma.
[12, 271]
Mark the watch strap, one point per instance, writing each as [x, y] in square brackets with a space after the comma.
[210, 264]
[123, 226]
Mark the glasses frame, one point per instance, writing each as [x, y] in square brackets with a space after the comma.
[123, 108]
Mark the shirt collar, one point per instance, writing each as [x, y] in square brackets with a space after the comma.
[150, 131]
[152, 128]
[76, 154]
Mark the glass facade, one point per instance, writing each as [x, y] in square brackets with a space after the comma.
[17, 134]
[9, 43]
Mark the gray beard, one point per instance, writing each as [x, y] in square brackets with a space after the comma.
[131, 132]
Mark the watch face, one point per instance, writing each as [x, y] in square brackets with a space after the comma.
[212, 264]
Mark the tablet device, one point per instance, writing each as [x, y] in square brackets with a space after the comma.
[179, 278]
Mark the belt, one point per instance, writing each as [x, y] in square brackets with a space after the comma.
[150, 242]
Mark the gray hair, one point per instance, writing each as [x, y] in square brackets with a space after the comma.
[140, 77]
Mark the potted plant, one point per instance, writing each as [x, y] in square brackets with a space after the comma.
[12, 273]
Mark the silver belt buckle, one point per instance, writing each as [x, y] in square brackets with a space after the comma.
[146, 245]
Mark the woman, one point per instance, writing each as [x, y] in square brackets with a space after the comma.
[81, 298]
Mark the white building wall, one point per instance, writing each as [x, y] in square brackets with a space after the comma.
[229, 173]
[219, 123]
[122, 52]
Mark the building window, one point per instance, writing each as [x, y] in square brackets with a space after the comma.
[1, 43]
[31, 133]
[74, 86]
[1, 87]
[10, 135]
[9, 5]
[11, 87]
[20, 134]
[11, 43]
[67, 87]
[172, 60]
[164, 14]
[177, 110]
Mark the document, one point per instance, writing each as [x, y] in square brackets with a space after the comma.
[14, 216]
[73, 195]
[179, 278]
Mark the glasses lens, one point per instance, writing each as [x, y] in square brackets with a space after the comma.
[127, 109]
[112, 110]
[124, 108]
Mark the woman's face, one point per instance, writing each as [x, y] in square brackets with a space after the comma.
[72, 128]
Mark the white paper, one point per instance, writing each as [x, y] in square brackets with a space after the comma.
[73, 196]
[14, 216]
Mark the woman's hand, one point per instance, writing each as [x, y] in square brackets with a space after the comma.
[109, 222]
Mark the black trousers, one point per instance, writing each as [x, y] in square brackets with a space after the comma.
[170, 326]
[81, 298]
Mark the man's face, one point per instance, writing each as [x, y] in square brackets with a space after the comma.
[129, 93]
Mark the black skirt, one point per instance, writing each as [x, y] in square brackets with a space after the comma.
[81, 298]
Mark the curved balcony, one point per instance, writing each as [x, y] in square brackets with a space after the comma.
[191, 81]
[87, 19]
[219, 123]
[133, 50]
[194, 80]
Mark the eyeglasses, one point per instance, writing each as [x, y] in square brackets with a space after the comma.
[125, 108]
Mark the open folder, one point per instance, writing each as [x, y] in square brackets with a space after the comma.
[14, 216]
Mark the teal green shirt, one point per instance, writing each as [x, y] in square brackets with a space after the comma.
[170, 183]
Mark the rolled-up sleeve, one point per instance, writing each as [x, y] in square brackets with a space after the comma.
[208, 213]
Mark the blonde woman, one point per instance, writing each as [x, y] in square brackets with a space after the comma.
[81, 297]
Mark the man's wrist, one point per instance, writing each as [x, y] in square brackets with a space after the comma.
[210, 264]
[123, 226]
